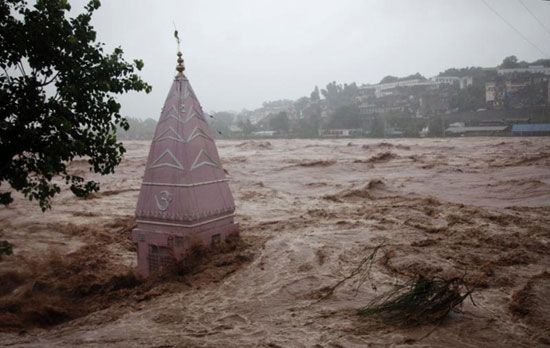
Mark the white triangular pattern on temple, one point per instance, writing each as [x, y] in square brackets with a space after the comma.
[209, 162]
[168, 153]
[197, 132]
[166, 135]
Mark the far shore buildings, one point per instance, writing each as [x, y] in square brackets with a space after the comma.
[531, 129]
[418, 98]
[533, 69]
[460, 129]
[272, 108]
[462, 82]
[385, 89]
[353, 132]
[518, 89]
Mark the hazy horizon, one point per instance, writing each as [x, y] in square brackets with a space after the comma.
[239, 54]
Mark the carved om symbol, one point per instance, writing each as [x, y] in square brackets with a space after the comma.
[165, 197]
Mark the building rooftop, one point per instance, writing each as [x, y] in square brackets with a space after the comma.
[476, 129]
[532, 127]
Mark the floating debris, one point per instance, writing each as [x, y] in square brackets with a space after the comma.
[421, 301]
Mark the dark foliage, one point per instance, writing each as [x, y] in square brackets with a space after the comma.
[390, 78]
[421, 301]
[279, 122]
[57, 98]
[338, 95]
[5, 248]
[346, 116]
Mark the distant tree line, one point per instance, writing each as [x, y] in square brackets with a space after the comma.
[512, 62]
[390, 79]
[138, 129]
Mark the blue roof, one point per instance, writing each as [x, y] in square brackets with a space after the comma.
[533, 127]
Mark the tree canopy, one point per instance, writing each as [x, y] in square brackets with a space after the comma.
[279, 122]
[510, 62]
[346, 116]
[390, 78]
[338, 95]
[57, 99]
[473, 71]
[315, 94]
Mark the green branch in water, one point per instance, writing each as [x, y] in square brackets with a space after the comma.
[420, 301]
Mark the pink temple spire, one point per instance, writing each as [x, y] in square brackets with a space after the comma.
[185, 197]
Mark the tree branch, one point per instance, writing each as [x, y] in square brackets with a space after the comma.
[21, 68]
[7, 75]
[48, 82]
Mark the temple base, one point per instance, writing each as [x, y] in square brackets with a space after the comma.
[159, 247]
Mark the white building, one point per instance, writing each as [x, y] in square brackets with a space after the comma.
[340, 132]
[385, 89]
[462, 82]
[533, 69]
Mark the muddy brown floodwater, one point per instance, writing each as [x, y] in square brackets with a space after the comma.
[309, 211]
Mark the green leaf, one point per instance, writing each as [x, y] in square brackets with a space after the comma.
[139, 64]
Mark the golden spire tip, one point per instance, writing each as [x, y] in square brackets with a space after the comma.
[180, 68]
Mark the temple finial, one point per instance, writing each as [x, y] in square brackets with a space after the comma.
[180, 68]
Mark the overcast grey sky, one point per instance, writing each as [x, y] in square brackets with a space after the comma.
[240, 53]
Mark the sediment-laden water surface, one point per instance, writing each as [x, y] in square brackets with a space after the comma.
[309, 212]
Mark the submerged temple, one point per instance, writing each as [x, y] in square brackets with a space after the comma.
[185, 197]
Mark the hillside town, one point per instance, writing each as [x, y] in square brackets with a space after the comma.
[510, 99]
